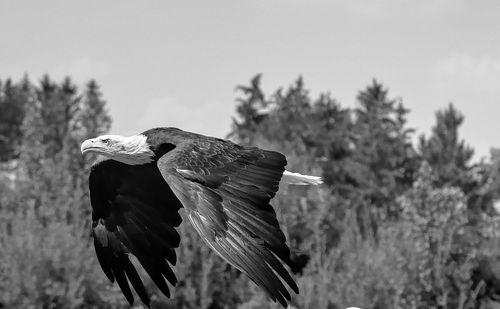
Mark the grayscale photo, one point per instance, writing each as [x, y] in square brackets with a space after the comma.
[278, 154]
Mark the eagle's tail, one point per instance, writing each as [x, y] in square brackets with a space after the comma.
[299, 179]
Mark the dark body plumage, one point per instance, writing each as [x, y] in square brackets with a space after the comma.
[225, 189]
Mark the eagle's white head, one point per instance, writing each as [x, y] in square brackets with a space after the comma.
[132, 150]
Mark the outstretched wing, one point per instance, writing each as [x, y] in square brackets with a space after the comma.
[226, 190]
[134, 211]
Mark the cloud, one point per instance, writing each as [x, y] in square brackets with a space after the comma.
[82, 69]
[478, 72]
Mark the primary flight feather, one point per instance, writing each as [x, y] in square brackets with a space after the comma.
[137, 191]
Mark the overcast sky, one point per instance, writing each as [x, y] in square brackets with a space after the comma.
[166, 63]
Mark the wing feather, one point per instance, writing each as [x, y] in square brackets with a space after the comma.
[226, 190]
[134, 212]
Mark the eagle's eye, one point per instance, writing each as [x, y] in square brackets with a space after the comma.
[105, 141]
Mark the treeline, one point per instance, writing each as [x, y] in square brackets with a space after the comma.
[396, 225]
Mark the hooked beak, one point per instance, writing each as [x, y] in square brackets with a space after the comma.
[90, 145]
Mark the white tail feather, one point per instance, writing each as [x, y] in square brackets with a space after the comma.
[299, 179]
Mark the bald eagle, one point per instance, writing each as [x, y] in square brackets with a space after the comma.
[137, 191]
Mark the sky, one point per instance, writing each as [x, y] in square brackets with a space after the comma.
[177, 63]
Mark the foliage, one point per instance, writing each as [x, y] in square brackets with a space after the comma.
[12, 100]
[393, 227]
[438, 262]
[447, 155]
[46, 260]
[383, 147]
[383, 235]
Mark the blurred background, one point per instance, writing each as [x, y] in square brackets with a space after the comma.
[394, 102]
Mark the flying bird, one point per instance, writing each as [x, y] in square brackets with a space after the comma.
[225, 188]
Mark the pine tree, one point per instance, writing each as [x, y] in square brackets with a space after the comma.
[383, 148]
[447, 154]
[248, 111]
[93, 119]
[44, 228]
[12, 104]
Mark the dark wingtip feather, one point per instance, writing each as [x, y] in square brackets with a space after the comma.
[135, 280]
[155, 273]
[168, 273]
[283, 302]
[122, 281]
[294, 287]
[171, 256]
[104, 259]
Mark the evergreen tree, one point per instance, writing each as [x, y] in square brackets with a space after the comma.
[44, 222]
[290, 110]
[383, 150]
[248, 111]
[93, 119]
[12, 101]
[59, 107]
[446, 153]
